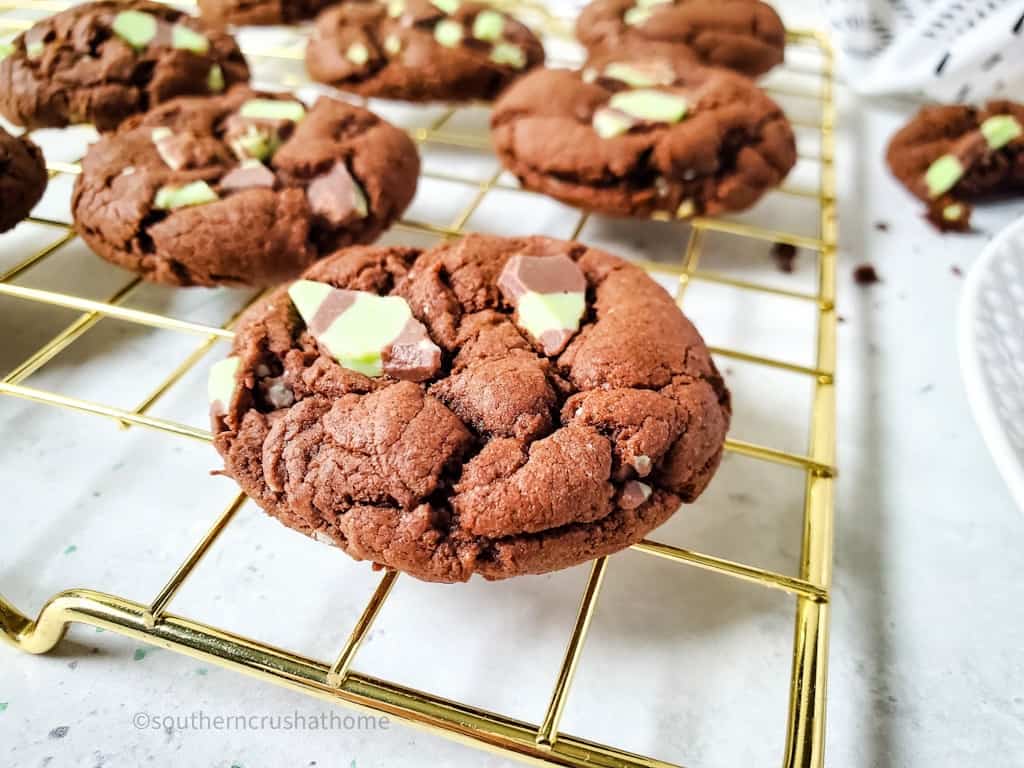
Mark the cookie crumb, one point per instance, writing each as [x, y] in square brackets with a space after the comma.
[865, 274]
[957, 272]
[882, 226]
[785, 256]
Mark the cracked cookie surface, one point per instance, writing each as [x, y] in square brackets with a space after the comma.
[710, 142]
[743, 35]
[101, 62]
[22, 178]
[506, 461]
[246, 188]
[418, 50]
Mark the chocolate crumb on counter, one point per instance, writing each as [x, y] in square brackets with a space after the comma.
[865, 274]
[784, 255]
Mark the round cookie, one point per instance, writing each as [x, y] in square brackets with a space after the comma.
[101, 62]
[947, 155]
[256, 12]
[420, 50]
[744, 35]
[22, 178]
[245, 188]
[644, 131]
[498, 406]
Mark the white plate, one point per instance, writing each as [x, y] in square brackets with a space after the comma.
[992, 351]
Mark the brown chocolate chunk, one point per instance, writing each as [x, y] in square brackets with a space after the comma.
[336, 196]
[251, 173]
[634, 493]
[186, 151]
[540, 274]
[412, 356]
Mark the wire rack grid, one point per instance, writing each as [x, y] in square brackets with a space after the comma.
[336, 681]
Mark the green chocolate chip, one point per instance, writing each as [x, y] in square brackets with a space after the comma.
[359, 202]
[942, 175]
[35, 50]
[448, 33]
[161, 133]
[396, 8]
[541, 313]
[610, 122]
[187, 39]
[358, 54]
[636, 16]
[215, 79]
[307, 296]
[392, 44]
[589, 75]
[254, 143]
[1000, 130]
[135, 27]
[448, 6]
[6, 49]
[638, 77]
[488, 26]
[509, 55]
[272, 109]
[220, 385]
[194, 193]
[357, 336]
[655, 106]
[686, 210]
[953, 212]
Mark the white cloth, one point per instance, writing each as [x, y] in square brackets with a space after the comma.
[945, 50]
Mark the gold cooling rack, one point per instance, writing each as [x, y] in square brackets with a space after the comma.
[543, 743]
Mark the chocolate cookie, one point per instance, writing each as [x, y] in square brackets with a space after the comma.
[420, 50]
[641, 131]
[948, 155]
[243, 12]
[744, 35]
[101, 62]
[245, 188]
[492, 405]
[22, 178]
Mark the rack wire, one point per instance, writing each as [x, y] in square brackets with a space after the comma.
[336, 681]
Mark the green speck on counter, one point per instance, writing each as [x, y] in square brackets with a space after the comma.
[71, 549]
[3, 706]
[201, 671]
[100, 629]
[140, 654]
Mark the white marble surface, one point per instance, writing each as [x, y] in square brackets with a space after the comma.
[928, 617]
